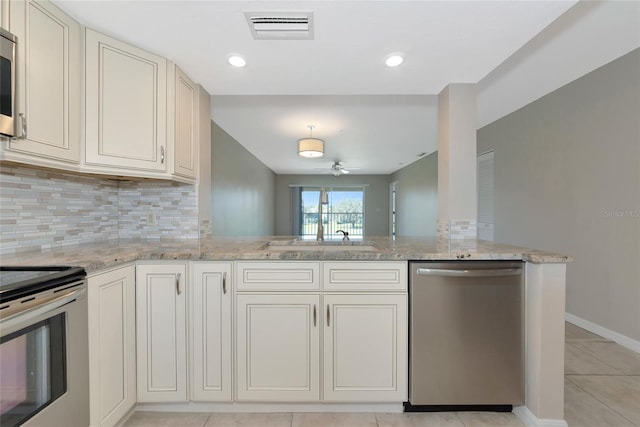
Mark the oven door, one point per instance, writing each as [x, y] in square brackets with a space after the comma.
[44, 364]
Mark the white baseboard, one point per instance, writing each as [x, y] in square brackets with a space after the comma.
[242, 407]
[623, 340]
[524, 414]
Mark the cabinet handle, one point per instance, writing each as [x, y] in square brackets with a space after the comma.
[315, 315]
[224, 282]
[23, 122]
[178, 283]
[328, 315]
[162, 154]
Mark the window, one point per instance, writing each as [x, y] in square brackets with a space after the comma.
[344, 211]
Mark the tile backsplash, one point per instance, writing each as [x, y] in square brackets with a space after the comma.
[42, 209]
[173, 208]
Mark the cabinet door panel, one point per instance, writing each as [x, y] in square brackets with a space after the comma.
[48, 80]
[365, 276]
[161, 326]
[111, 299]
[277, 276]
[211, 331]
[186, 147]
[122, 117]
[278, 347]
[125, 105]
[365, 348]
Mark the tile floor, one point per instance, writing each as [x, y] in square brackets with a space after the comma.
[602, 381]
[602, 389]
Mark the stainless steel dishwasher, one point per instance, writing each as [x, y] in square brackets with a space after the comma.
[466, 335]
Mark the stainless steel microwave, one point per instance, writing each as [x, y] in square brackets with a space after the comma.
[7, 83]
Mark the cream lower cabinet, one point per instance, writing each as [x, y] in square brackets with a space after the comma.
[366, 334]
[210, 317]
[348, 337]
[278, 352]
[47, 85]
[365, 348]
[112, 345]
[161, 325]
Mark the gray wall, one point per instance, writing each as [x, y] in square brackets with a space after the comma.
[417, 197]
[567, 179]
[242, 189]
[376, 199]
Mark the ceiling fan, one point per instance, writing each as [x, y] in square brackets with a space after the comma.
[338, 170]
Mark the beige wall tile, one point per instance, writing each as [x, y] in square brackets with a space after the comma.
[44, 209]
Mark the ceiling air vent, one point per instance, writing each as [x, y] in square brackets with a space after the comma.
[281, 25]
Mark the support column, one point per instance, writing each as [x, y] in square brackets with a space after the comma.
[457, 157]
[544, 364]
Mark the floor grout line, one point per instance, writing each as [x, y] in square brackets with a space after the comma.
[603, 361]
[598, 359]
[603, 403]
[207, 420]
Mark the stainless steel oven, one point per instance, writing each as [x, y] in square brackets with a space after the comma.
[7, 83]
[44, 362]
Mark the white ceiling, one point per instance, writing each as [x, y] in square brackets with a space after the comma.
[372, 117]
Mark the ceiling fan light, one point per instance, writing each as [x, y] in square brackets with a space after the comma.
[311, 148]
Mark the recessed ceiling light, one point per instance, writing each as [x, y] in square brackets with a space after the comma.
[237, 61]
[393, 60]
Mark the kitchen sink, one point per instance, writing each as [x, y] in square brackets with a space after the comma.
[322, 246]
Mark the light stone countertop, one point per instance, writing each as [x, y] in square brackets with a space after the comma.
[101, 255]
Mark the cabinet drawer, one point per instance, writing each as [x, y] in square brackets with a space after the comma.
[277, 276]
[365, 276]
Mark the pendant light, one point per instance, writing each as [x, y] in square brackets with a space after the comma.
[311, 147]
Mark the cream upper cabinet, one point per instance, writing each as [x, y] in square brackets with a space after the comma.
[47, 85]
[210, 311]
[112, 345]
[185, 123]
[161, 332]
[4, 13]
[126, 109]
[365, 348]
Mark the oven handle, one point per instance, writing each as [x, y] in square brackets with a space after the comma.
[38, 308]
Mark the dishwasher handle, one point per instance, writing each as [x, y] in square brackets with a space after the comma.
[490, 272]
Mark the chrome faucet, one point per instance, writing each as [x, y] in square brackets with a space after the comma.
[323, 200]
[345, 235]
